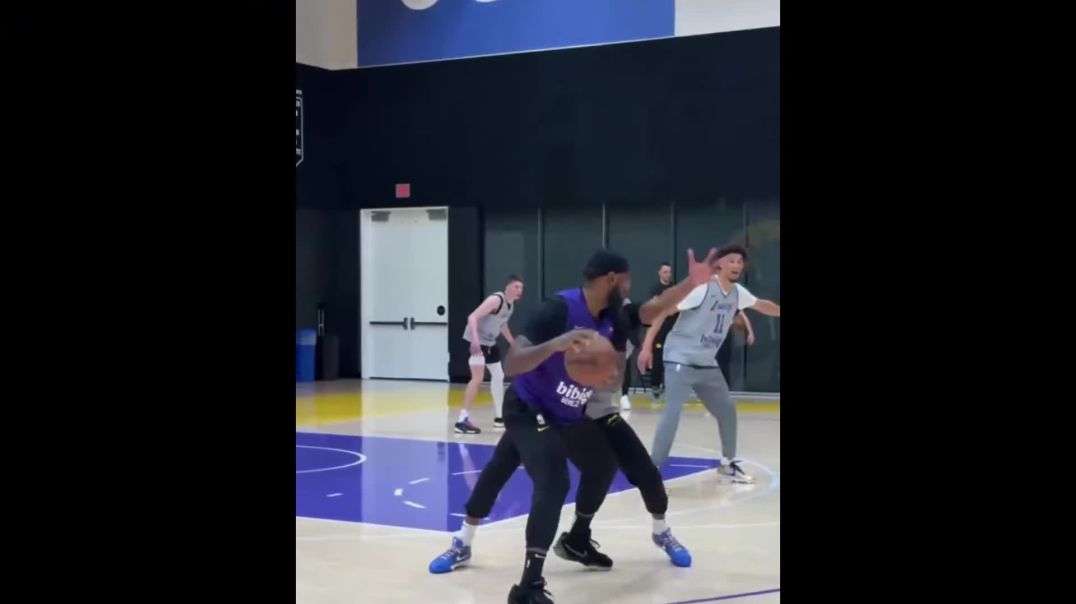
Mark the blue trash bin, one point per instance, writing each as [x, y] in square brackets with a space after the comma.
[306, 342]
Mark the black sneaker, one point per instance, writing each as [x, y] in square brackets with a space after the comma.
[498, 423]
[466, 427]
[585, 553]
[534, 593]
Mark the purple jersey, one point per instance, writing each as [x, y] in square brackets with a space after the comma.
[547, 388]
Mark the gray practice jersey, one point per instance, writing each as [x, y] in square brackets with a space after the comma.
[489, 326]
[706, 315]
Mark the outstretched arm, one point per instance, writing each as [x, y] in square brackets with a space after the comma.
[766, 307]
[697, 274]
[748, 300]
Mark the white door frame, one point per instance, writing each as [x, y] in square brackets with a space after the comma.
[366, 289]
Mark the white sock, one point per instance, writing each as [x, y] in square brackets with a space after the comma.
[463, 416]
[660, 526]
[496, 386]
[467, 532]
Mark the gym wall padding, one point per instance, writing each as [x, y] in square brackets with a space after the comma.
[689, 126]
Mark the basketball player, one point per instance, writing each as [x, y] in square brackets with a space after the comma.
[705, 316]
[484, 324]
[657, 370]
[543, 406]
[603, 428]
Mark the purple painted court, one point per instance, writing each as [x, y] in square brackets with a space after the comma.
[415, 483]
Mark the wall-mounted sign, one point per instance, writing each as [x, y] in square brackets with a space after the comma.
[298, 127]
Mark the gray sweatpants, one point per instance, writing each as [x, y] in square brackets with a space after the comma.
[710, 386]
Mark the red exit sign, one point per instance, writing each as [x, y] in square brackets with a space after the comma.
[403, 191]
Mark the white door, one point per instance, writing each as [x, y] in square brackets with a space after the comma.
[405, 293]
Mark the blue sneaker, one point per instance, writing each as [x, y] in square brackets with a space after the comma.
[677, 552]
[456, 556]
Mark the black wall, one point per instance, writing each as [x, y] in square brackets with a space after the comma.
[319, 178]
[678, 139]
[326, 234]
[314, 263]
[554, 243]
[327, 271]
[464, 284]
[681, 119]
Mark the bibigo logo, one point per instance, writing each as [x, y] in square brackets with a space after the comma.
[572, 395]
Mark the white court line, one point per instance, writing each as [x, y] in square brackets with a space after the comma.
[360, 458]
[334, 494]
[572, 505]
[518, 468]
[418, 480]
[441, 535]
[415, 505]
[689, 465]
[400, 531]
[683, 527]
[775, 481]
[409, 532]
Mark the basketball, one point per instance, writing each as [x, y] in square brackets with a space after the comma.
[594, 365]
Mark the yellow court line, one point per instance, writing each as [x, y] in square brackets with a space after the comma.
[321, 409]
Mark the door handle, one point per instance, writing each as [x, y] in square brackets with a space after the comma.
[414, 322]
[402, 323]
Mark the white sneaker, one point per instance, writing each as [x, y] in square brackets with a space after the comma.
[625, 403]
[732, 472]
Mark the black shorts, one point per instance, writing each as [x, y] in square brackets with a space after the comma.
[491, 353]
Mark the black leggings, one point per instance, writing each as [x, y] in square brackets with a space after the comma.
[634, 461]
[596, 447]
[657, 367]
[544, 450]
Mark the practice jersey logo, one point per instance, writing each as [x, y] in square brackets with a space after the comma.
[572, 395]
[298, 127]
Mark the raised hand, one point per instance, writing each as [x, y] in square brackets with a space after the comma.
[700, 272]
